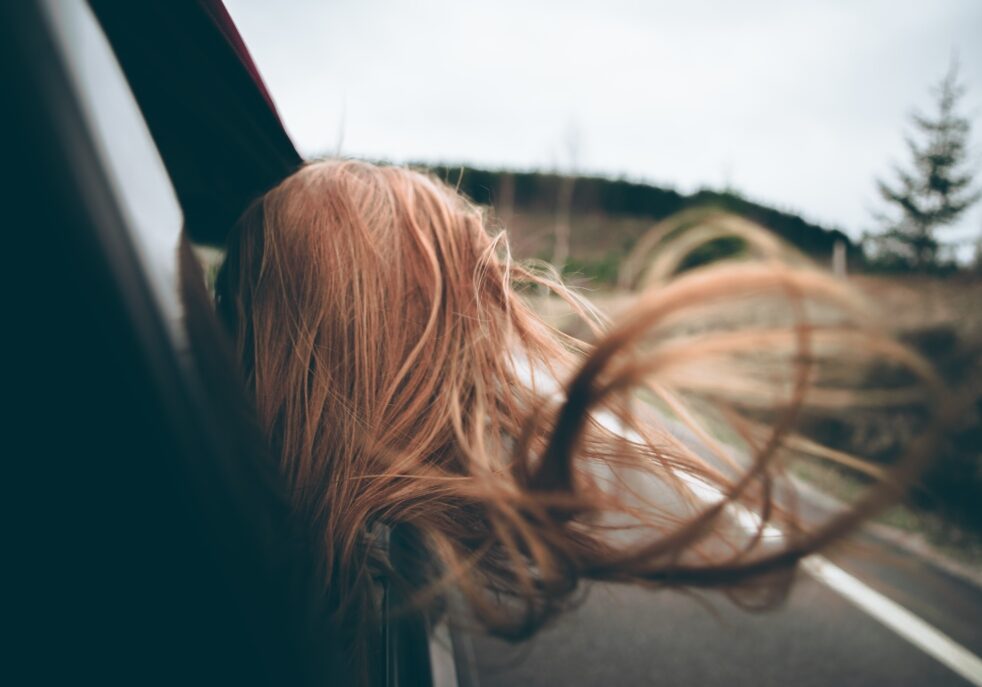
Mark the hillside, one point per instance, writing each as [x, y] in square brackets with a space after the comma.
[607, 216]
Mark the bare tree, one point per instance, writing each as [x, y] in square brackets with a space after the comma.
[564, 198]
[505, 202]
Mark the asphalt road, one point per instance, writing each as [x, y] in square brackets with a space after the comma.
[627, 636]
[623, 635]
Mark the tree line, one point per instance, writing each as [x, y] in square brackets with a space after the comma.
[534, 192]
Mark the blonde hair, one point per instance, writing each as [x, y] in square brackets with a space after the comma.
[403, 379]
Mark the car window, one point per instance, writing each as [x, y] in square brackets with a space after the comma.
[128, 152]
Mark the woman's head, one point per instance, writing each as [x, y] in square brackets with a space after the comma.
[358, 291]
[402, 379]
[379, 331]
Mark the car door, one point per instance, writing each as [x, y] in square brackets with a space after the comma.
[152, 541]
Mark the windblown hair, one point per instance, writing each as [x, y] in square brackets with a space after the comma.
[403, 379]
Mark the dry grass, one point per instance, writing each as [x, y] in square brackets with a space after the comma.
[912, 308]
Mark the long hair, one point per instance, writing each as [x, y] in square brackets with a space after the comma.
[403, 379]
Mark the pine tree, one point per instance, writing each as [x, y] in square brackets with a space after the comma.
[936, 189]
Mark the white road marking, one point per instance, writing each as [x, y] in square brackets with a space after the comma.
[926, 637]
[895, 617]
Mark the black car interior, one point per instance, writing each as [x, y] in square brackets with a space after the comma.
[155, 544]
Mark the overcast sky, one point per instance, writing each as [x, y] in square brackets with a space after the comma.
[796, 104]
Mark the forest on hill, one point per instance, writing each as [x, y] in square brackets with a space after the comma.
[607, 216]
